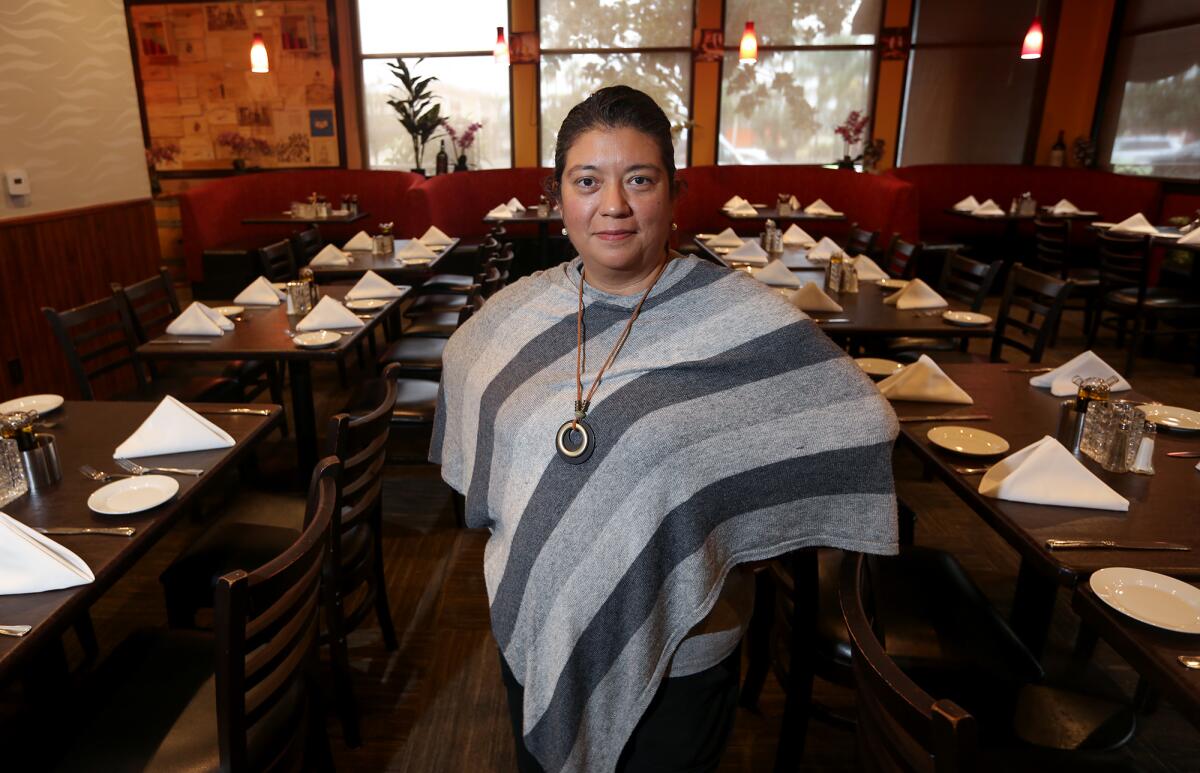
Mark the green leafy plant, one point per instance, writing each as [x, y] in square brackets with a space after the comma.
[415, 109]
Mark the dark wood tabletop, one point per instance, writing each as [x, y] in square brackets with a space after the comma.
[87, 433]
[869, 316]
[282, 219]
[530, 215]
[1153, 652]
[387, 266]
[796, 258]
[772, 213]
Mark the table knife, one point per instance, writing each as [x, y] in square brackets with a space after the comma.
[112, 531]
[181, 341]
[15, 630]
[1184, 454]
[839, 319]
[964, 417]
[245, 411]
[1108, 544]
[1028, 370]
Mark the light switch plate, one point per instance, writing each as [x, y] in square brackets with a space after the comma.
[16, 181]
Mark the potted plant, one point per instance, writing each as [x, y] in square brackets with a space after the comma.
[159, 154]
[415, 110]
[461, 142]
[243, 148]
[851, 133]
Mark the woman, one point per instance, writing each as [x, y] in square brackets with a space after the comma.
[631, 426]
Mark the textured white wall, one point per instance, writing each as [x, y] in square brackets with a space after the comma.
[68, 105]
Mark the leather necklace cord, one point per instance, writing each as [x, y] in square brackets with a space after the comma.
[582, 404]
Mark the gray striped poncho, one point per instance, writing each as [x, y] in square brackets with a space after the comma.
[729, 429]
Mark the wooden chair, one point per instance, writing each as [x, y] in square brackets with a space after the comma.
[276, 261]
[99, 338]
[1041, 297]
[305, 245]
[1134, 308]
[354, 584]
[440, 324]
[860, 241]
[1053, 255]
[162, 703]
[965, 280]
[901, 258]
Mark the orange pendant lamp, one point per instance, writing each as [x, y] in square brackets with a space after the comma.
[748, 51]
[500, 52]
[1032, 47]
[258, 55]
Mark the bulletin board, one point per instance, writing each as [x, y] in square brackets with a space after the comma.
[195, 83]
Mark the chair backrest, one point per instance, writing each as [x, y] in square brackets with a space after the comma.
[901, 258]
[359, 441]
[97, 338]
[1051, 249]
[1124, 262]
[277, 262]
[968, 280]
[1042, 298]
[900, 726]
[860, 241]
[267, 623]
[306, 244]
[151, 303]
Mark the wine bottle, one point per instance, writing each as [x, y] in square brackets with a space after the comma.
[443, 160]
[1058, 151]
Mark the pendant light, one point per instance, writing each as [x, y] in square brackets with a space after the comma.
[258, 55]
[500, 52]
[1031, 48]
[748, 51]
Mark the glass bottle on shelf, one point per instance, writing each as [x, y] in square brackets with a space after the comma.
[443, 160]
[1058, 151]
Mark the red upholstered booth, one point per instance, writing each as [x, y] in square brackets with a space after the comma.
[875, 202]
[940, 186]
[212, 213]
[456, 203]
[1180, 205]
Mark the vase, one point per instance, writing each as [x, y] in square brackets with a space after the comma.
[417, 170]
[155, 185]
[239, 164]
[461, 164]
[846, 163]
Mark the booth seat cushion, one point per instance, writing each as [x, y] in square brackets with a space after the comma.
[939, 186]
[457, 202]
[211, 214]
[875, 202]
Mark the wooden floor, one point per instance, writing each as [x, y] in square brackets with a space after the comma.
[437, 704]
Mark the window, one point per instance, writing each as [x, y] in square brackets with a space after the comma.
[589, 44]
[814, 67]
[471, 87]
[1152, 115]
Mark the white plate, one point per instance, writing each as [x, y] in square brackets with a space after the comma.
[1164, 235]
[966, 318]
[366, 304]
[1153, 598]
[228, 311]
[967, 440]
[317, 339]
[1102, 224]
[874, 366]
[892, 284]
[133, 495]
[706, 237]
[1165, 416]
[43, 404]
[280, 286]
[416, 261]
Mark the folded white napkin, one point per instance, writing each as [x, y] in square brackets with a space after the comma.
[868, 270]
[819, 207]
[811, 297]
[173, 428]
[219, 319]
[1046, 473]
[1086, 365]
[794, 203]
[31, 563]
[1137, 224]
[988, 208]
[726, 238]
[969, 204]
[360, 241]
[435, 237]
[777, 275]
[194, 322]
[1191, 237]
[825, 249]
[259, 293]
[795, 236]
[735, 201]
[328, 315]
[515, 205]
[743, 209]
[372, 285]
[330, 256]
[923, 381]
[750, 252]
[503, 211]
[916, 295]
[414, 249]
[1064, 207]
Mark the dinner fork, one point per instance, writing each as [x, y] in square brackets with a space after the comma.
[970, 470]
[138, 469]
[1190, 661]
[91, 472]
[15, 630]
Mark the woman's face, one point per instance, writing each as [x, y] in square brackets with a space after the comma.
[617, 203]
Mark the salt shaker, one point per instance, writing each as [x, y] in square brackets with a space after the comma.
[1116, 459]
[1143, 460]
[12, 477]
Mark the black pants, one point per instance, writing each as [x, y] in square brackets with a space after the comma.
[684, 729]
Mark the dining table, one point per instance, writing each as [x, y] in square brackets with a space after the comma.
[389, 266]
[1152, 651]
[543, 222]
[286, 218]
[1162, 507]
[796, 258]
[767, 212]
[266, 333]
[87, 433]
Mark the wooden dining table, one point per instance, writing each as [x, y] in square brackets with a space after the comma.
[87, 432]
[543, 223]
[764, 212]
[1162, 506]
[284, 218]
[265, 333]
[389, 267]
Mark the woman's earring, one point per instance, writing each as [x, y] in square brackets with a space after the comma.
[564, 232]
[674, 226]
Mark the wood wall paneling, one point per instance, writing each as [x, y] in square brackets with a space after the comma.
[62, 260]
